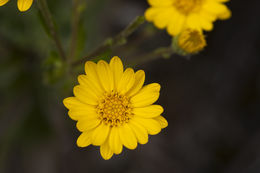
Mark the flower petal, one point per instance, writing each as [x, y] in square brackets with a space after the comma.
[86, 124]
[105, 151]
[127, 137]
[127, 81]
[160, 2]
[91, 72]
[177, 24]
[24, 5]
[85, 95]
[84, 113]
[148, 111]
[86, 82]
[139, 81]
[114, 141]
[73, 102]
[117, 69]
[147, 95]
[139, 131]
[105, 75]
[3, 2]
[162, 121]
[100, 134]
[84, 139]
[152, 126]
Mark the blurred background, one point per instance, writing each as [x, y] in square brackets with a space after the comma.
[211, 101]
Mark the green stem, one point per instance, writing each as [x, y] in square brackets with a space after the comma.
[163, 52]
[45, 11]
[111, 43]
[75, 28]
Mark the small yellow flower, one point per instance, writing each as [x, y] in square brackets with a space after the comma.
[189, 41]
[176, 15]
[23, 5]
[113, 109]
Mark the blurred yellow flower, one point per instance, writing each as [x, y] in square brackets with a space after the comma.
[190, 41]
[113, 109]
[23, 5]
[176, 15]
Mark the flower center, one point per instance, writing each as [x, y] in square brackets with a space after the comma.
[191, 41]
[114, 109]
[187, 6]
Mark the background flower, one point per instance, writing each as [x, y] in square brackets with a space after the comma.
[177, 15]
[23, 5]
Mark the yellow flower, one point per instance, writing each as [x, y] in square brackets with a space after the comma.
[23, 5]
[189, 41]
[113, 109]
[176, 15]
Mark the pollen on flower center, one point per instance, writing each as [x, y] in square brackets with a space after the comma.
[114, 109]
[187, 6]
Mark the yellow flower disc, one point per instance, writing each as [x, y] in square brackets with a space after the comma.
[177, 15]
[113, 109]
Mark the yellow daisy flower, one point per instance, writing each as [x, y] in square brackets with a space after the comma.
[23, 5]
[113, 109]
[189, 41]
[176, 15]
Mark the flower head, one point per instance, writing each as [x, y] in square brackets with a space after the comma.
[113, 109]
[189, 41]
[177, 15]
[23, 5]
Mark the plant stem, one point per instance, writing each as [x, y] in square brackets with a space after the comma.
[45, 11]
[165, 52]
[111, 43]
[74, 27]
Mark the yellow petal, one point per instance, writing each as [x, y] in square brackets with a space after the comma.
[91, 72]
[91, 69]
[117, 68]
[193, 22]
[160, 2]
[73, 102]
[146, 96]
[206, 24]
[84, 113]
[226, 14]
[105, 75]
[85, 95]
[177, 24]
[3, 2]
[152, 126]
[24, 5]
[139, 81]
[105, 151]
[163, 19]
[139, 131]
[86, 124]
[84, 139]
[162, 121]
[127, 137]
[151, 13]
[148, 111]
[91, 84]
[127, 81]
[114, 141]
[100, 134]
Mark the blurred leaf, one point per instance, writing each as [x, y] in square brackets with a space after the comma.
[53, 68]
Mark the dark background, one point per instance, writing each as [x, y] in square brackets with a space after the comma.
[212, 101]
